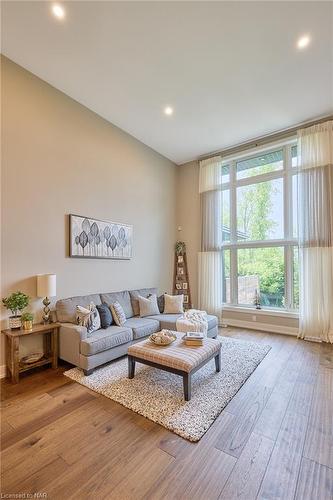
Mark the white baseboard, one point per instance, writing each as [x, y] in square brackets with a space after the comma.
[266, 327]
[2, 371]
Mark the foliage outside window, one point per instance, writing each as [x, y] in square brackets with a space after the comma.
[259, 220]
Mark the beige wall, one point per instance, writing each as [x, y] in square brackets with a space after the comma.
[59, 158]
[188, 218]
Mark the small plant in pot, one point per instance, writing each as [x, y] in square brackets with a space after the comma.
[27, 321]
[16, 302]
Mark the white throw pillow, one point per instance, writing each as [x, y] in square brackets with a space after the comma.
[88, 317]
[173, 304]
[118, 314]
[149, 306]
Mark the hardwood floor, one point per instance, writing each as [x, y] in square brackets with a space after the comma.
[273, 441]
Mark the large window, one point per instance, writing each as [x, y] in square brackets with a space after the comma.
[259, 220]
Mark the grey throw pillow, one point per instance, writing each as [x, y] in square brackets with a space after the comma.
[105, 315]
[160, 302]
[149, 306]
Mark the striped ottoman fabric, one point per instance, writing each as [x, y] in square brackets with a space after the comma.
[176, 355]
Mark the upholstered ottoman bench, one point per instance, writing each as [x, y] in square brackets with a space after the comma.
[176, 358]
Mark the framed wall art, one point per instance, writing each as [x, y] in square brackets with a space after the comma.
[99, 239]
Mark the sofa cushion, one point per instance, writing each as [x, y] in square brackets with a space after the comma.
[122, 297]
[173, 304]
[88, 317]
[118, 313]
[142, 326]
[148, 307]
[144, 292]
[160, 303]
[101, 340]
[66, 308]
[168, 321]
[105, 315]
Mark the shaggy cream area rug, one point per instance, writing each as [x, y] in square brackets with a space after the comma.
[158, 395]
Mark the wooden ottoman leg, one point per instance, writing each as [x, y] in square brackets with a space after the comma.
[131, 367]
[187, 386]
[218, 362]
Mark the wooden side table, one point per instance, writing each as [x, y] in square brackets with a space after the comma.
[50, 341]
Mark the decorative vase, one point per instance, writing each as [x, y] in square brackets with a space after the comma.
[27, 325]
[15, 322]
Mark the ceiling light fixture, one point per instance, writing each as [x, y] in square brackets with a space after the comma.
[303, 41]
[58, 11]
[168, 110]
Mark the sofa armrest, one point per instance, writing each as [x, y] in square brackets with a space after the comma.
[79, 332]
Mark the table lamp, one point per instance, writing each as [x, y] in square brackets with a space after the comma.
[46, 287]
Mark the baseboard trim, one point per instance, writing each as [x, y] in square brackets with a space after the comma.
[2, 371]
[265, 327]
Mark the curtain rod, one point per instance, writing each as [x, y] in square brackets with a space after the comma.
[265, 139]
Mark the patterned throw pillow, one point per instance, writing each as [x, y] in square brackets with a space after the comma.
[173, 304]
[88, 317]
[118, 314]
[149, 306]
[105, 315]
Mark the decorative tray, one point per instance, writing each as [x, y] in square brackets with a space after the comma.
[31, 358]
[163, 338]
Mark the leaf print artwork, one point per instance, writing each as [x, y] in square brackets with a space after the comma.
[86, 226]
[107, 232]
[91, 238]
[94, 230]
[121, 234]
[113, 242]
[83, 239]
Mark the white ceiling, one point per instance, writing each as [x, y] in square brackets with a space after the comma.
[231, 70]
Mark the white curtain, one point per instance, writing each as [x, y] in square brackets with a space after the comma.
[210, 257]
[315, 209]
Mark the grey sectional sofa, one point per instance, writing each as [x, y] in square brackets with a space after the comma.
[104, 345]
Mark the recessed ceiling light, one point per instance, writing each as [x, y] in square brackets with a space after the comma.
[303, 41]
[168, 110]
[58, 11]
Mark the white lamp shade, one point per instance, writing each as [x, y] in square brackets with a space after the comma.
[46, 285]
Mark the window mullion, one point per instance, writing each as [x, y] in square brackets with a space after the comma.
[233, 276]
[288, 222]
[287, 277]
[233, 235]
[288, 206]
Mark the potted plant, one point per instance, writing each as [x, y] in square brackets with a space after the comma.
[27, 319]
[16, 302]
[180, 247]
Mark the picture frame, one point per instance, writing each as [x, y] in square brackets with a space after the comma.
[180, 271]
[180, 259]
[185, 286]
[185, 299]
[91, 238]
[178, 286]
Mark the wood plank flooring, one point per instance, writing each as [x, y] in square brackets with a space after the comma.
[273, 441]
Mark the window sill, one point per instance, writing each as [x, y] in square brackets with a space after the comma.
[264, 312]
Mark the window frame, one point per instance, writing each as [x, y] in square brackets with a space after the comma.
[288, 242]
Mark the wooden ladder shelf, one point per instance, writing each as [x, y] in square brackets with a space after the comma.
[181, 283]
